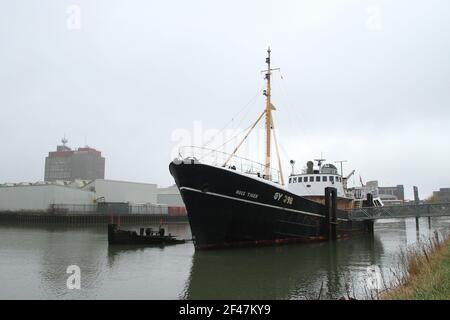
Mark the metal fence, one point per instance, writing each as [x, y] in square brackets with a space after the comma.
[73, 208]
[149, 209]
[401, 211]
[108, 208]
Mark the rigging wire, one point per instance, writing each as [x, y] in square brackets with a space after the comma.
[248, 110]
[280, 168]
[293, 115]
[232, 138]
[252, 100]
[245, 137]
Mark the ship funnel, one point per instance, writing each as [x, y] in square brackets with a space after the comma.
[309, 167]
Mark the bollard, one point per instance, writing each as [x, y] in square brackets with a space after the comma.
[330, 213]
[370, 223]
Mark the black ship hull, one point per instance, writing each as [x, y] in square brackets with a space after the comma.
[226, 208]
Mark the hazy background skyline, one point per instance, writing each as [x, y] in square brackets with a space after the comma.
[363, 81]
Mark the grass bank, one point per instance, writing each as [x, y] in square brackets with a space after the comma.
[427, 275]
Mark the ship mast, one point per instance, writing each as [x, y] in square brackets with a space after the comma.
[269, 108]
[269, 127]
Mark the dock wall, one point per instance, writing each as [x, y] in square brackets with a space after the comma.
[40, 217]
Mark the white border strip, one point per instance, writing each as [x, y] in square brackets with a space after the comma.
[253, 202]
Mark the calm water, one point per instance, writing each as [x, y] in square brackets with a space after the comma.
[34, 261]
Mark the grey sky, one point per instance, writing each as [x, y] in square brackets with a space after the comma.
[365, 81]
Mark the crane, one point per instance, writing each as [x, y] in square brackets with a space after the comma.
[349, 175]
[345, 179]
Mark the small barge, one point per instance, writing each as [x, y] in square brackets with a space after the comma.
[146, 236]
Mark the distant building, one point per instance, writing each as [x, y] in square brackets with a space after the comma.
[79, 194]
[170, 196]
[39, 196]
[69, 165]
[443, 195]
[123, 191]
[396, 193]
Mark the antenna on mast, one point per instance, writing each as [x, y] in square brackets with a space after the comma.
[64, 140]
[319, 161]
[341, 161]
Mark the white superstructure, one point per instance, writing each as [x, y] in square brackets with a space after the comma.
[313, 180]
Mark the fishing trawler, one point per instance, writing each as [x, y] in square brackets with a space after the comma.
[234, 201]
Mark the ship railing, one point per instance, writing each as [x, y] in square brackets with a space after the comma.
[226, 160]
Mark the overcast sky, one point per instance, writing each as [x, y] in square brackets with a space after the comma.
[363, 81]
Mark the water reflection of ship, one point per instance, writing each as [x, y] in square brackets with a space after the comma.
[285, 272]
[117, 253]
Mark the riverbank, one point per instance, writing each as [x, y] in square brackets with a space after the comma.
[428, 273]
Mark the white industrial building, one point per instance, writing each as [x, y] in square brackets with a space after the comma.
[123, 191]
[170, 196]
[19, 197]
[42, 195]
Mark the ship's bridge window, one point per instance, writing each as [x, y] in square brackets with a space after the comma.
[318, 179]
[331, 179]
[290, 180]
[324, 179]
[311, 179]
[305, 179]
[295, 180]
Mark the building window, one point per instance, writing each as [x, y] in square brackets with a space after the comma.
[324, 179]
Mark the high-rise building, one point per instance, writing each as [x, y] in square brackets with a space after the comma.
[443, 195]
[67, 164]
[397, 192]
[389, 193]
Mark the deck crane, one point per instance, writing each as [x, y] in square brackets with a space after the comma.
[345, 179]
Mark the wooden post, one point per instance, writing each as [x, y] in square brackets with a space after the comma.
[330, 213]
[417, 224]
[370, 223]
